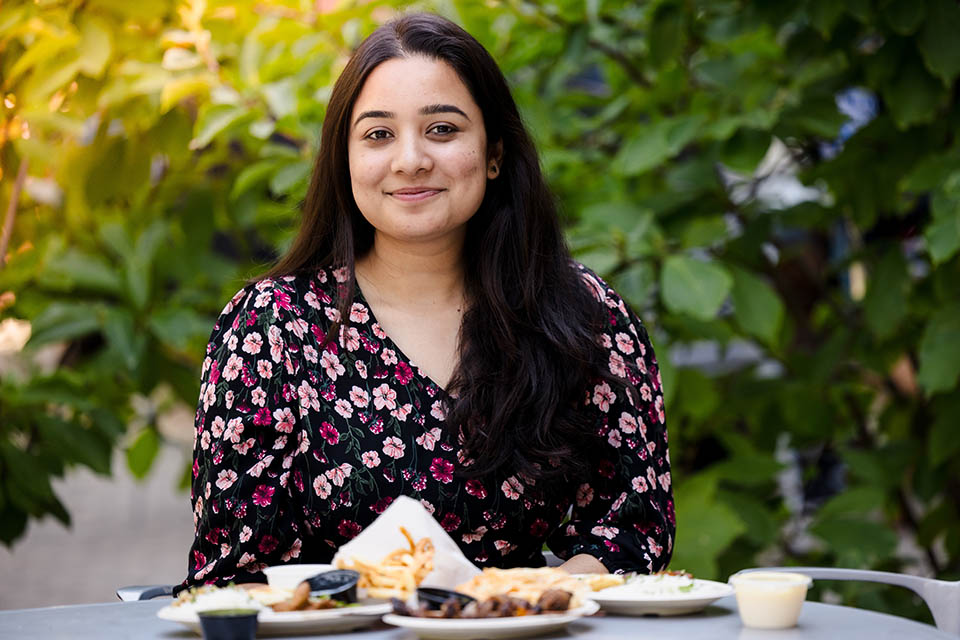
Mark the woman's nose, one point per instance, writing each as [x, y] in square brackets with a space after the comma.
[411, 156]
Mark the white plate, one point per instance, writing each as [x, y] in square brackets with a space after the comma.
[276, 623]
[477, 628]
[628, 599]
[288, 576]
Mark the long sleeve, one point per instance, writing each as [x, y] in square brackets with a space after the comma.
[247, 434]
[624, 514]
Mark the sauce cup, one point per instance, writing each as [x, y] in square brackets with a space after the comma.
[770, 599]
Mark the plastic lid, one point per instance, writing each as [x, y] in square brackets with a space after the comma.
[770, 579]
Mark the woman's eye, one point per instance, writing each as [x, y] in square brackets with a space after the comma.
[442, 129]
[379, 134]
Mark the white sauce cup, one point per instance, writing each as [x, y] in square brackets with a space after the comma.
[770, 599]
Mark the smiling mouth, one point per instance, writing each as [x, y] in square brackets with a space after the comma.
[414, 194]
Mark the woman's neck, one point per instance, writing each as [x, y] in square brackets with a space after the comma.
[404, 275]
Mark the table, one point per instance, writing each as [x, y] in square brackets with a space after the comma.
[137, 620]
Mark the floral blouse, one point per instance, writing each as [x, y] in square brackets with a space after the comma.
[299, 446]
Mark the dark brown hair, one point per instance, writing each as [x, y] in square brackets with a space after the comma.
[527, 342]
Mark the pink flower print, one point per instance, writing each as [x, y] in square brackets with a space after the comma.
[651, 447]
[664, 480]
[381, 505]
[655, 548]
[338, 475]
[361, 369]
[303, 442]
[228, 398]
[329, 433]
[267, 544]
[297, 327]
[619, 501]
[244, 446]
[376, 426]
[198, 560]
[640, 484]
[420, 483]
[593, 285]
[641, 365]
[384, 396]
[252, 343]
[403, 373]
[617, 365]
[344, 408]
[437, 410]
[275, 338]
[584, 495]
[226, 479]
[628, 423]
[340, 275]
[281, 299]
[645, 392]
[331, 365]
[245, 534]
[613, 438]
[233, 430]
[280, 443]
[205, 441]
[624, 343]
[402, 411]
[262, 300]
[651, 476]
[214, 371]
[209, 396]
[606, 532]
[605, 341]
[285, 420]
[348, 529]
[262, 418]
[263, 495]
[504, 547]
[359, 314]
[310, 354]
[359, 397]
[370, 459]
[428, 439]
[389, 356]
[258, 397]
[476, 489]
[333, 315]
[603, 396]
[442, 470]
[475, 536]
[259, 467]
[428, 506]
[378, 330]
[292, 552]
[322, 487]
[450, 522]
[232, 369]
[539, 528]
[217, 427]
[264, 368]
[512, 488]
[309, 398]
[393, 447]
[349, 338]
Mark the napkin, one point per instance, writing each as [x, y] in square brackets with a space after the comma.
[450, 566]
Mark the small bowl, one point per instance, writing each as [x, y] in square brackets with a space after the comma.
[228, 624]
[339, 584]
[435, 597]
[770, 599]
[288, 576]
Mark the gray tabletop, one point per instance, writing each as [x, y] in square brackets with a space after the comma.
[136, 620]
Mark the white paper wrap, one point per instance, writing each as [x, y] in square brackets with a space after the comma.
[450, 566]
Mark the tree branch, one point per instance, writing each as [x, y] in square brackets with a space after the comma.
[12, 211]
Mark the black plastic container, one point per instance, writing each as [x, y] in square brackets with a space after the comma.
[229, 624]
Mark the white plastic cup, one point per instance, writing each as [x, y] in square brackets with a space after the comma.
[770, 599]
[288, 576]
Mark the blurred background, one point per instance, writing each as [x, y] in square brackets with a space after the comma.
[774, 186]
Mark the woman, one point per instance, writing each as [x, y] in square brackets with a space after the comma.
[429, 236]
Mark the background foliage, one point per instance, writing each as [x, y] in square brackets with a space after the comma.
[796, 260]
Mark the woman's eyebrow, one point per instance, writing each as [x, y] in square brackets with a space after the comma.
[442, 108]
[374, 114]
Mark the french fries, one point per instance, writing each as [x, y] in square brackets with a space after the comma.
[527, 584]
[398, 574]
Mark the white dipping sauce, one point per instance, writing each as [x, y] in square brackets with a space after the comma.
[770, 599]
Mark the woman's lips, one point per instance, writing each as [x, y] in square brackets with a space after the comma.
[414, 194]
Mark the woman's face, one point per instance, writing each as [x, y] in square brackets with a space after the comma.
[417, 151]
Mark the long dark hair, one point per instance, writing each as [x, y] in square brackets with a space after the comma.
[527, 341]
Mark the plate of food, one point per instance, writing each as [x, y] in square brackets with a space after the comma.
[498, 603]
[667, 593]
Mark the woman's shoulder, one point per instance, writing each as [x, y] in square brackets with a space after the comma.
[290, 294]
[601, 291]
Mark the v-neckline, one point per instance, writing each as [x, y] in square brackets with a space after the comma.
[401, 355]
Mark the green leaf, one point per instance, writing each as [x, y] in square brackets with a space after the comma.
[143, 452]
[858, 500]
[824, 15]
[938, 40]
[214, 122]
[760, 525]
[943, 234]
[944, 442]
[96, 45]
[177, 327]
[668, 35]
[251, 176]
[940, 351]
[75, 269]
[290, 176]
[748, 470]
[913, 95]
[64, 321]
[13, 524]
[121, 335]
[756, 306]
[886, 305]
[708, 527]
[903, 16]
[656, 143]
[694, 287]
[857, 542]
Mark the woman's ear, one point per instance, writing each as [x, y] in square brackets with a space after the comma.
[494, 160]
